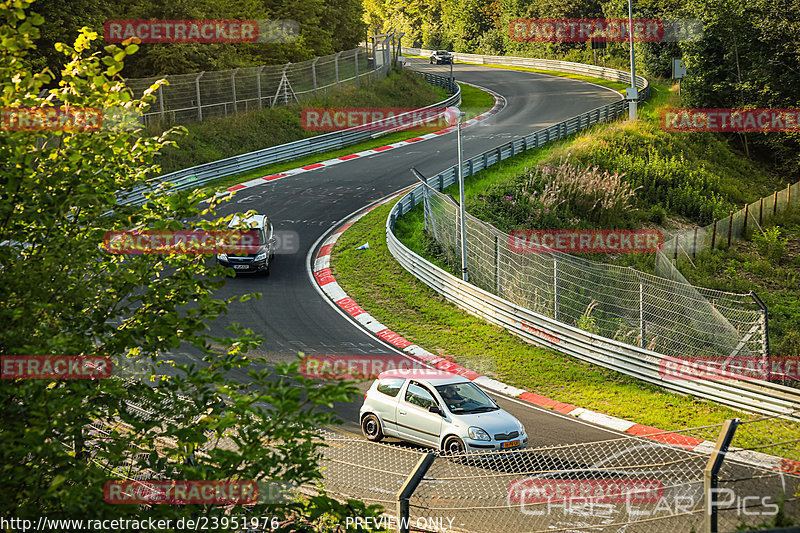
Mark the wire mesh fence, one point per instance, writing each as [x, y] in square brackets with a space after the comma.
[197, 97]
[685, 245]
[629, 483]
[668, 316]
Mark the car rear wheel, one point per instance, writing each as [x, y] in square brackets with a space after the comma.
[453, 446]
[371, 427]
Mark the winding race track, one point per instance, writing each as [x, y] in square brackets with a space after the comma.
[293, 317]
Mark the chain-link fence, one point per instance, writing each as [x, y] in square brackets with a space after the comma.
[663, 315]
[196, 97]
[663, 482]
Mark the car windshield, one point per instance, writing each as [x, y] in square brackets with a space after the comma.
[464, 398]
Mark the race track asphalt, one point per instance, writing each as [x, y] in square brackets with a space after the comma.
[293, 317]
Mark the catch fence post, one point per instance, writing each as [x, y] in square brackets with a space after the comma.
[730, 229]
[408, 488]
[197, 90]
[497, 264]
[233, 90]
[744, 227]
[714, 234]
[711, 471]
[258, 85]
[314, 75]
[555, 286]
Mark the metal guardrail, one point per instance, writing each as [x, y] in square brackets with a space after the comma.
[758, 396]
[192, 177]
[548, 64]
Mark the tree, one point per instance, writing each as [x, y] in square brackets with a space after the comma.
[64, 295]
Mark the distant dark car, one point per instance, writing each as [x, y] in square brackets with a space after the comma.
[260, 260]
[441, 57]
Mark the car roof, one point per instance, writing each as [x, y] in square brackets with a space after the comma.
[257, 221]
[438, 377]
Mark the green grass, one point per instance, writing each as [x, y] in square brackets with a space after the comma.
[473, 101]
[401, 302]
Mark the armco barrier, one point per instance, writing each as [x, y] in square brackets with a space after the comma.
[758, 396]
[192, 177]
[547, 64]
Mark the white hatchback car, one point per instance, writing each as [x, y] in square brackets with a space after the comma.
[438, 409]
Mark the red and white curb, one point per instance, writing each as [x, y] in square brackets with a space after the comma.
[499, 104]
[324, 278]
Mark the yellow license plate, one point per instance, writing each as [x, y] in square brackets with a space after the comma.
[509, 444]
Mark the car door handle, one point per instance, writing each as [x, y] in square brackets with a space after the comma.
[401, 412]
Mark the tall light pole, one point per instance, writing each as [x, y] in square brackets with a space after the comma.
[454, 114]
[632, 93]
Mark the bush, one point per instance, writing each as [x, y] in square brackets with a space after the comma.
[771, 244]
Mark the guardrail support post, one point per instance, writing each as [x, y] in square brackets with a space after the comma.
[408, 488]
[197, 90]
[711, 471]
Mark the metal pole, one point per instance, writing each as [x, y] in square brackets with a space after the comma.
[497, 252]
[336, 66]
[233, 88]
[258, 85]
[314, 75]
[633, 103]
[197, 89]
[712, 469]
[464, 274]
[355, 57]
[408, 488]
[555, 286]
[161, 101]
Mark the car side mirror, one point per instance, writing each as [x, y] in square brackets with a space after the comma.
[435, 409]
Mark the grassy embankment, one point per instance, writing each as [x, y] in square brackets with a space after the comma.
[710, 176]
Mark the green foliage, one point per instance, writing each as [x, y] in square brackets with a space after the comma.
[770, 244]
[326, 26]
[57, 191]
[754, 266]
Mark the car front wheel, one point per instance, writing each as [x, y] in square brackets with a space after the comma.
[371, 427]
[453, 446]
